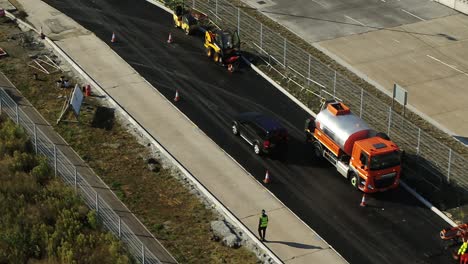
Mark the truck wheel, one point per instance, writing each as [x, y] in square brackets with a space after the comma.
[209, 52]
[217, 57]
[257, 149]
[235, 129]
[187, 30]
[318, 152]
[354, 180]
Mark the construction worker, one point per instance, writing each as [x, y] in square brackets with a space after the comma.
[462, 248]
[262, 225]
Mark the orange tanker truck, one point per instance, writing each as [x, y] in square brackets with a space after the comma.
[370, 160]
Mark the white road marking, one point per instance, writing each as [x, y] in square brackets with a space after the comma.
[348, 17]
[383, 1]
[413, 15]
[448, 65]
[396, 41]
[319, 3]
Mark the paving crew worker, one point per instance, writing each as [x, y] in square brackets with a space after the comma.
[463, 247]
[262, 225]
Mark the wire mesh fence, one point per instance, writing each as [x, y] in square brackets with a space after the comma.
[310, 75]
[64, 168]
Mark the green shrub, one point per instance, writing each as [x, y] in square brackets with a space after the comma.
[13, 138]
[42, 171]
[23, 162]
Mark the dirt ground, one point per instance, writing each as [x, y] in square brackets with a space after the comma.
[176, 216]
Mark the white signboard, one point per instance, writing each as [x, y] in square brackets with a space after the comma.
[400, 94]
[76, 100]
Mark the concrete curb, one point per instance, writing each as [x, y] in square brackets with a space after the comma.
[220, 207]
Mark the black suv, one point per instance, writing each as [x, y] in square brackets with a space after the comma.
[264, 133]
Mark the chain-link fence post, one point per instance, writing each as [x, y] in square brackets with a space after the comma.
[17, 113]
[362, 102]
[389, 120]
[449, 165]
[419, 141]
[1, 110]
[35, 138]
[55, 160]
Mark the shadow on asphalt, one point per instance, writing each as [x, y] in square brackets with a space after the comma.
[294, 244]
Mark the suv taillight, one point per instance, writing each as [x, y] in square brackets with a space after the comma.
[266, 144]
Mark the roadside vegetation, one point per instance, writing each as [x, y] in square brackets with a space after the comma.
[174, 214]
[42, 220]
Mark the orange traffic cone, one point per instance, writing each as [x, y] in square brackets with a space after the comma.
[169, 39]
[363, 200]
[113, 40]
[176, 97]
[267, 177]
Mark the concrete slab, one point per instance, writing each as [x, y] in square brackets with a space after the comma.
[430, 61]
[5, 4]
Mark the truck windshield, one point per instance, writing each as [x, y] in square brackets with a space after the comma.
[384, 161]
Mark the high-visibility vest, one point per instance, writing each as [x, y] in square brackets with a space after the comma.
[263, 221]
[462, 249]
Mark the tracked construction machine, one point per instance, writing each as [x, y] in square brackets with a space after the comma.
[189, 20]
[370, 160]
[223, 46]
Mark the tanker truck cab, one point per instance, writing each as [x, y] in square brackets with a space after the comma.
[375, 165]
[371, 161]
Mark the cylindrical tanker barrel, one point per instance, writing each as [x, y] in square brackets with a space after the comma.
[342, 126]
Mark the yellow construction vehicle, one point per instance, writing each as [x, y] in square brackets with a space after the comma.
[189, 20]
[223, 47]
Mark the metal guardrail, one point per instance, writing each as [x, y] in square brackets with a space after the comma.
[427, 158]
[63, 167]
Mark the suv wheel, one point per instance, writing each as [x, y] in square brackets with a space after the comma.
[353, 178]
[235, 129]
[257, 149]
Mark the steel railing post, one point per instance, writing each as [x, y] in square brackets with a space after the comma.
[419, 141]
[1, 100]
[97, 202]
[334, 86]
[261, 37]
[284, 53]
[449, 165]
[362, 102]
[55, 160]
[120, 226]
[238, 21]
[17, 114]
[308, 74]
[143, 252]
[35, 138]
[389, 120]
[75, 174]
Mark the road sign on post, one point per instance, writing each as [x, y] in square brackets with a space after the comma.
[400, 95]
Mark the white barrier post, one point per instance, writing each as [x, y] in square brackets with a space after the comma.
[449, 165]
[238, 21]
[120, 226]
[261, 37]
[75, 174]
[389, 120]
[284, 53]
[308, 75]
[334, 86]
[419, 141]
[17, 114]
[97, 203]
